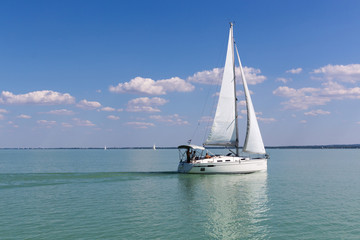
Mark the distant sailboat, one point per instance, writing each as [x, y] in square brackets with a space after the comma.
[224, 131]
[105, 148]
[154, 147]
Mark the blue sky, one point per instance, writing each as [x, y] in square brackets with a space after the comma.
[135, 73]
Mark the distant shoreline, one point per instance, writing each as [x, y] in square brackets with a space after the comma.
[334, 146]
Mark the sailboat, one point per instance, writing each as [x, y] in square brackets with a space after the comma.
[154, 147]
[224, 131]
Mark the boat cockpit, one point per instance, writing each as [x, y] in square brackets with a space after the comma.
[190, 153]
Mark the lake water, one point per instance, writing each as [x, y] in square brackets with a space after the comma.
[137, 194]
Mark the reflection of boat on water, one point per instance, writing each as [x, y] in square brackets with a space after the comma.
[228, 206]
[224, 131]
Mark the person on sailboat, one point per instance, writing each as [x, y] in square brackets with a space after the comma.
[188, 155]
[207, 155]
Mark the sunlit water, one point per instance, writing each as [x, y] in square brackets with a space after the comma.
[136, 194]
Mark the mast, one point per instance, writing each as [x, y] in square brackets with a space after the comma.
[235, 98]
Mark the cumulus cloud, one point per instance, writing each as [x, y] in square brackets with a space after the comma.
[214, 76]
[24, 116]
[149, 86]
[66, 125]
[344, 73]
[266, 120]
[294, 70]
[13, 124]
[145, 104]
[303, 98]
[61, 112]
[83, 123]
[108, 109]
[46, 123]
[174, 119]
[45, 97]
[3, 110]
[85, 104]
[316, 112]
[112, 117]
[140, 124]
[283, 80]
[242, 103]
[206, 119]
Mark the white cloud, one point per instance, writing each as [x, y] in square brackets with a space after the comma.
[61, 112]
[24, 116]
[85, 104]
[304, 98]
[13, 124]
[46, 123]
[145, 104]
[251, 74]
[214, 76]
[174, 119]
[206, 119]
[141, 85]
[1, 116]
[344, 73]
[83, 123]
[108, 109]
[45, 97]
[294, 70]
[266, 120]
[112, 117]
[66, 125]
[303, 121]
[301, 99]
[242, 103]
[283, 80]
[3, 110]
[140, 124]
[316, 112]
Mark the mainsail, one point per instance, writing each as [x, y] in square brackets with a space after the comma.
[223, 131]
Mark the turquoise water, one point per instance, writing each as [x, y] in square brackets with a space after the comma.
[136, 194]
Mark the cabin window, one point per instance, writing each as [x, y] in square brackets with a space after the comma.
[219, 160]
[227, 160]
[202, 169]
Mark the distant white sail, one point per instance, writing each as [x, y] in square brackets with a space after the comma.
[253, 141]
[223, 131]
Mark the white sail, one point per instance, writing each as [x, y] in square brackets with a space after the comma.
[253, 141]
[223, 131]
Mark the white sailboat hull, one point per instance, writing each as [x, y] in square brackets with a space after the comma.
[224, 164]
